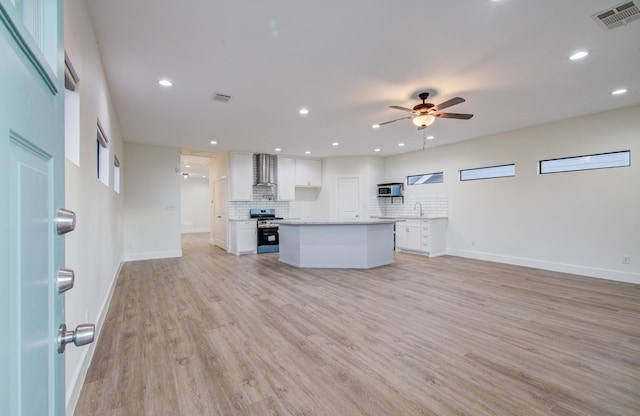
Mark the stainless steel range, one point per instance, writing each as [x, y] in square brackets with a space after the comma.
[268, 239]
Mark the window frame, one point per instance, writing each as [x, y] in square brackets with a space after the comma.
[540, 162]
[426, 182]
[116, 174]
[102, 155]
[460, 172]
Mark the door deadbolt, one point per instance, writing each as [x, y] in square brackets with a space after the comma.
[65, 280]
[65, 221]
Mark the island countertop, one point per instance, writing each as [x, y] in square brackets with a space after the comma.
[349, 244]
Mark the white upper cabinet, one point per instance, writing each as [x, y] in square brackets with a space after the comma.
[308, 173]
[286, 179]
[241, 177]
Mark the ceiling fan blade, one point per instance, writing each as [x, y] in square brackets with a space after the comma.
[449, 103]
[387, 122]
[453, 115]
[397, 107]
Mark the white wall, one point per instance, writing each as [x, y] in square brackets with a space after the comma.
[195, 204]
[152, 202]
[579, 222]
[95, 249]
[322, 203]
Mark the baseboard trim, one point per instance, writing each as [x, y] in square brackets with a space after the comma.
[195, 230]
[77, 381]
[152, 255]
[606, 274]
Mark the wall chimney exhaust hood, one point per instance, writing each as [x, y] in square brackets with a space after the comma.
[265, 169]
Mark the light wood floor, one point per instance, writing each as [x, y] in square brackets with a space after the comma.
[216, 334]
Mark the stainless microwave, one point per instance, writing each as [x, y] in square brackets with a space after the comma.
[390, 189]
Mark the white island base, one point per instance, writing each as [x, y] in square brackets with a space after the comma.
[336, 244]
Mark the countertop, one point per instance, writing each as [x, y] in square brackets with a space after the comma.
[254, 219]
[373, 220]
[335, 222]
[413, 217]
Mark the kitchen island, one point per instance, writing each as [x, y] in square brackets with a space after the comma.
[349, 244]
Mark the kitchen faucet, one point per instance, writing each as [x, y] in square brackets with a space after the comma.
[415, 205]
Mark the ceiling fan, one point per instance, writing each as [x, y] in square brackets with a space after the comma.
[424, 114]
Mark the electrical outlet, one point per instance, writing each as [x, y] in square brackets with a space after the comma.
[626, 259]
[473, 243]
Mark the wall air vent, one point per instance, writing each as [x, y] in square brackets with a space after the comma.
[619, 15]
[220, 97]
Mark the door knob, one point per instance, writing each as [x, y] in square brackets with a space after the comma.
[65, 221]
[65, 280]
[83, 335]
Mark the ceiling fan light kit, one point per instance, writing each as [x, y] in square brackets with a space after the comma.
[424, 114]
[423, 120]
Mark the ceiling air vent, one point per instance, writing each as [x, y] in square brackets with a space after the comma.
[220, 97]
[619, 15]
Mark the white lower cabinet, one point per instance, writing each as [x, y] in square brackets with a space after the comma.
[409, 235]
[422, 236]
[244, 238]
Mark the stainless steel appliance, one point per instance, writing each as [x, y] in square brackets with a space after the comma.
[390, 189]
[268, 238]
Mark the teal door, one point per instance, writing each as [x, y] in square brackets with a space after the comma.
[31, 192]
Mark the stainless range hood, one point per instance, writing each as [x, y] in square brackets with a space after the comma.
[265, 169]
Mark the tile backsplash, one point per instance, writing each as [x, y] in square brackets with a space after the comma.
[432, 206]
[264, 197]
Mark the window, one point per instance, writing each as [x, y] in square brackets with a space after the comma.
[588, 162]
[426, 178]
[488, 172]
[71, 113]
[116, 174]
[102, 155]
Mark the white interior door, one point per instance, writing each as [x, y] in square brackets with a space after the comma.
[348, 198]
[220, 213]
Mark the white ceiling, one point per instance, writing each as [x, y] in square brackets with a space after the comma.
[347, 62]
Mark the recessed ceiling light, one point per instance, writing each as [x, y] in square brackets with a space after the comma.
[620, 91]
[277, 149]
[335, 144]
[204, 177]
[430, 137]
[165, 83]
[375, 126]
[213, 142]
[187, 166]
[400, 144]
[307, 152]
[578, 55]
[303, 111]
[376, 150]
